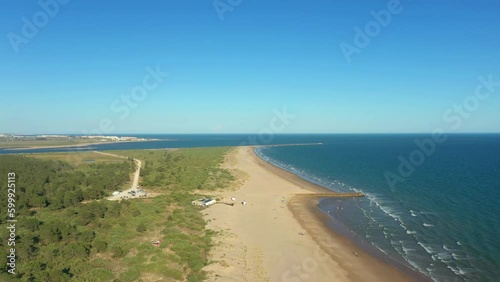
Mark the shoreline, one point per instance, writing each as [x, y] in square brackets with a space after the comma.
[279, 235]
[305, 207]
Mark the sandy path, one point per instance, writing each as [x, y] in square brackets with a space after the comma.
[135, 181]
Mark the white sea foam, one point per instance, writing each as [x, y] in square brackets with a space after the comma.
[457, 270]
[381, 249]
[444, 257]
[390, 212]
[458, 257]
[431, 271]
[428, 225]
[395, 243]
[411, 232]
[427, 248]
[407, 250]
[416, 266]
[386, 234]
[357, 190]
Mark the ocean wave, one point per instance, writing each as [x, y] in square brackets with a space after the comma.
[459, 257]
[334, 185]
[380, 249]
[409, 254]
[395, 243]
[457, 270]
[413, 213]
[427, 248]
[444, 257]
[428, 225]
[387, 210]
[416, 266]
[407, 249]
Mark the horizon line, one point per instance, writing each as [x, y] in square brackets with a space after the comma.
[250, 133]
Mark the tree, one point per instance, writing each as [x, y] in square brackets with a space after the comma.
[85, 215]
[86, 236]
[70, 199]
[75, 250]
[49, 234]
[31, 224]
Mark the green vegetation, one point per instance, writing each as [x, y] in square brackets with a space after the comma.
[57, 184]
[183, 170]
[111, 241]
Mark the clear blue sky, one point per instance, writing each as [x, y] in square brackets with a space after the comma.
[228, 75]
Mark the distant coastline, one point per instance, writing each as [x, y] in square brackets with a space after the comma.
[29, 142]
[72, 146]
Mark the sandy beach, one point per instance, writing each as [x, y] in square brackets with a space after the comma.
[279, 235]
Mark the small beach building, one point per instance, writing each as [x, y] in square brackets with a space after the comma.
[203, 202]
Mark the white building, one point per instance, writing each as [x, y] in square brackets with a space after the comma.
[203, 202]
